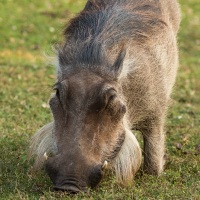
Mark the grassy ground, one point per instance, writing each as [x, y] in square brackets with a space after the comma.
[29, 29]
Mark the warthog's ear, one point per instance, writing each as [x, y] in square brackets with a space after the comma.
[118, 64]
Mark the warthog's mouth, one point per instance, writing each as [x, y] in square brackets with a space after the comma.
[70, 187]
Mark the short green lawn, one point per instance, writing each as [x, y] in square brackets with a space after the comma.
[30, 28]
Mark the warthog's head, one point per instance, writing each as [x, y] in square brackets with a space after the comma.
[87, 132]
[88, 126]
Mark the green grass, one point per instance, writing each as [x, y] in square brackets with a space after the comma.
[29, 29]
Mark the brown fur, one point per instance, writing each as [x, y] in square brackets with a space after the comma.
[142, 75]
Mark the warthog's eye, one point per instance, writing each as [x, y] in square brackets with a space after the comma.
[61, 93]
[110, 98]
[113, 103]
[58, 89]
[57, 92]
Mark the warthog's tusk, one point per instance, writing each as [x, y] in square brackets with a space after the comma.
[105, 164]
[45, 156]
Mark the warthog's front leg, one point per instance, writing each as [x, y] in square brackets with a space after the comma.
[154, 145]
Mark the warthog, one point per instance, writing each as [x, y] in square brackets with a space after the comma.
[115, 73]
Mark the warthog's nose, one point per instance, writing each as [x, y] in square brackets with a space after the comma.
[72, 189]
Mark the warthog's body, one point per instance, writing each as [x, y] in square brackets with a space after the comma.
[119, 56]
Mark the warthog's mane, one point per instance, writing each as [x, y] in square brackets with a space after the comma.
[125, 163]
[94, 38]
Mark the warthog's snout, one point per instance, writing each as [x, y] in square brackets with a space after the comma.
[73, 177]
[72, 186]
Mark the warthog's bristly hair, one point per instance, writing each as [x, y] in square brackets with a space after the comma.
[128, 160]
[125, 164]
[42, 142]
[93, 35]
